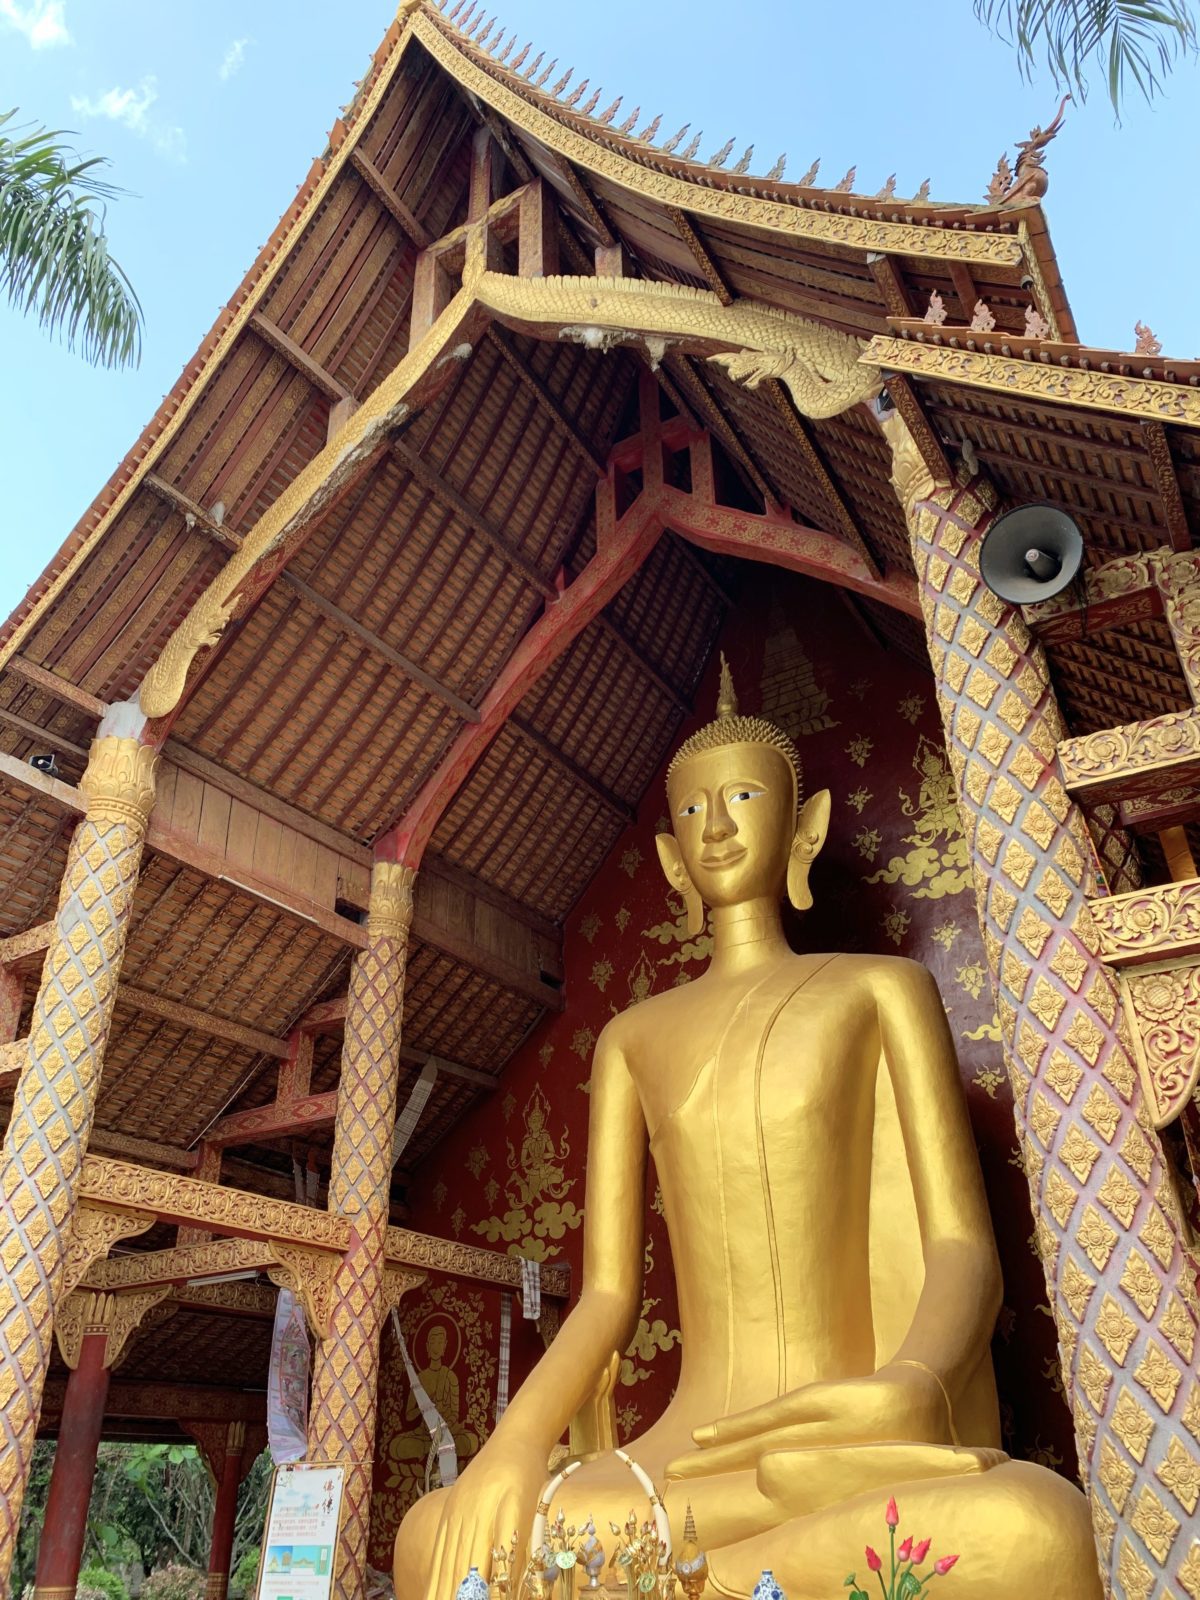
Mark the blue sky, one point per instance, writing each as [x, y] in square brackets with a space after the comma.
[211, 111]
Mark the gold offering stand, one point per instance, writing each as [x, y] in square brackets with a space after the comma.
[570, 1563]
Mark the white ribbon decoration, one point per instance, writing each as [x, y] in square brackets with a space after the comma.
[442, 1440]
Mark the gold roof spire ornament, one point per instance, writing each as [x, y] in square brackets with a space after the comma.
[730, 727]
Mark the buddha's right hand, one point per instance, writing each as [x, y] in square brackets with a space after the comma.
[495, 1496]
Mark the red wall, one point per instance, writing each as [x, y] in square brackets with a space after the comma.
[892, 878]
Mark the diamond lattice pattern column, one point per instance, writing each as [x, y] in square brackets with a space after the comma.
[1107, 1225]
[55, 1096]
[345, 1378]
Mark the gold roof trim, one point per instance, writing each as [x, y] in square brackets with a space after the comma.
[481, 76]
[1059, 384]
[336, 160]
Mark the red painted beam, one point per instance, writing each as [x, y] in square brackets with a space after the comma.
[274, 1121]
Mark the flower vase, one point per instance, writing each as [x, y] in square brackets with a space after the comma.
[767, 1589]
[473, 1587]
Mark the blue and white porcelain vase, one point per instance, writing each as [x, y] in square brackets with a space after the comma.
[767, 1589]
[473, 1587]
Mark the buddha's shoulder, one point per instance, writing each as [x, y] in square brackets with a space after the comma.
[888, 974]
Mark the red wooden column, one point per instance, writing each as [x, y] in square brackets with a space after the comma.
[61, 1549]
[229, 1478]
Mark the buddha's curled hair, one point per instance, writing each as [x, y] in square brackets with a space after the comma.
[732, 728]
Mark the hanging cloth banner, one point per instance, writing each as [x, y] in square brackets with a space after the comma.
[531, 1289]
[442, 1440]
[502, 1379]
[406, 1122]
[287, 1389]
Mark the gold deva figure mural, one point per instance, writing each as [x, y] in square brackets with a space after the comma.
[836, 1271]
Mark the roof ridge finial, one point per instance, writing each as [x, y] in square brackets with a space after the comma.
[727, 701]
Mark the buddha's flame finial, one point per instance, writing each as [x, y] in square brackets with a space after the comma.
[727, 702]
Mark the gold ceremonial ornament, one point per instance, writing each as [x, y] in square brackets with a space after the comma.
[830, 1237]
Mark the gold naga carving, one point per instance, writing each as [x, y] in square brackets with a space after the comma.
[1165, 1005]
[114, 1315]
[309, 1274]
[1014, 377]
[597, 151]
[94, 1231]
[822, 368]
[911, 477]
[390, 908]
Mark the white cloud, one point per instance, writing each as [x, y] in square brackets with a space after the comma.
[43, 22]
[234, 57]
[132, 109]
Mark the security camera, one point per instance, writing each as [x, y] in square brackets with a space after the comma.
[1027, 282]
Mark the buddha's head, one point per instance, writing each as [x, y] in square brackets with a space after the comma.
[739, 830]
[435, 1345]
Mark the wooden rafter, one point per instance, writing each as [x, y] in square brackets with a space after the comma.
[600, 791]
[501, 340]
[583, 197]
[890, 283]
[844, 518]
[709, 270]
[283, 344]
[643, 663]
[391, 202]
[904, 398]
[1158, 448]
[964, 287]
[444, 491]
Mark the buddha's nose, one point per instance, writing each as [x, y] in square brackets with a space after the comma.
[720, 824]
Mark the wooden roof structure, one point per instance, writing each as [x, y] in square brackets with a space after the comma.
[400, 596]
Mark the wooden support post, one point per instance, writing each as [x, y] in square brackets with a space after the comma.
[345, 1377]
[220, 1550]
[12, 995]
[538, 237]
[433, 291]
[55, 1097]
[64, 1528]
[1080, 1113]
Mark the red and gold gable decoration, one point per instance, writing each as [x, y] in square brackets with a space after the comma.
[893, 878]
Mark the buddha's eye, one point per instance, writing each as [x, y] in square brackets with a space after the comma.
[690, 811]
[744, 794]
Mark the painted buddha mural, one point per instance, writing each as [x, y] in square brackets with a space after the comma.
[834, 1258]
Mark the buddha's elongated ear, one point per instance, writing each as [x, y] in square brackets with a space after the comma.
[811, 829]
[671, 861]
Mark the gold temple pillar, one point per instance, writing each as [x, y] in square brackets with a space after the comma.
[55, 1097]
[345, 1376]
[1107, 1224]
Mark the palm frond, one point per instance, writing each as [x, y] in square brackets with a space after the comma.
[1134, 41]
[54, 257]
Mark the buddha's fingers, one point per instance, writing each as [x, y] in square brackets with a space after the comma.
[810, 1404]
[740, 1456]
[800, 1482]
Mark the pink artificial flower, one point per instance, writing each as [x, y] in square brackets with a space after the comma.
[921, 1551]
[874, 1561]
[905, 1549]
[893, 1516]
[943, 1566]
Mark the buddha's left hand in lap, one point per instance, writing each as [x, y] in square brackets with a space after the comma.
[897, 1403]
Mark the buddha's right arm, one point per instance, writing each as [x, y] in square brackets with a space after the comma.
[605, 1318]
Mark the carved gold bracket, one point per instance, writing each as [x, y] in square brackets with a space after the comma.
[94, 1231]
[309, 1275]
[1164, 1003]
[113, 1315]
[397, 1283]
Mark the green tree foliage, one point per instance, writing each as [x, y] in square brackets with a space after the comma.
[1134, 42]
[110, 1584]
[54, 258]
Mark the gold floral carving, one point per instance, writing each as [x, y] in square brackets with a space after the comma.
[94, 1231]
[391, 903]
[1123, 754]
[593, 150]
[1164, 920]
[114, 1315]
[1041, 294]
[186, 1262]
[423, 1250]
[309, 1275]
[180, 1199]
[1165, 1005]
[397, 1283]
[242, 1299]
[821, 368]
[1012, 376]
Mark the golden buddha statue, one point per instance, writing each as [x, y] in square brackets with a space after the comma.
[836, 1271]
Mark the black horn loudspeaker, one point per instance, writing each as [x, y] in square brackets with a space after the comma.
[1030, 554]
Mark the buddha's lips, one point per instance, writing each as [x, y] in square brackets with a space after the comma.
[726, 860]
